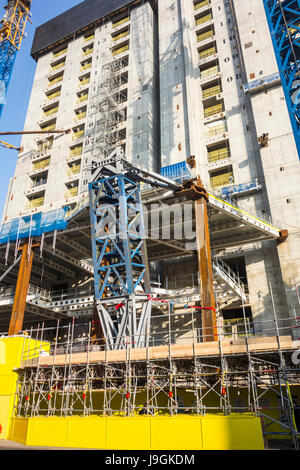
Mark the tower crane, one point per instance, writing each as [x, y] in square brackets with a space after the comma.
[12, 28]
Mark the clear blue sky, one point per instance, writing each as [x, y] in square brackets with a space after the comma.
[14, 112]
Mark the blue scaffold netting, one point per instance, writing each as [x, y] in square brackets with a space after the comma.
[178, 172]
[33, 225]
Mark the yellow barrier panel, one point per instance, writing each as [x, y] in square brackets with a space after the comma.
[219, 108]
[35, 202]
[221, 180]
[217, 155]
[120, 50]
[197, 6]
[203, 36]
[89, 38]
[207, 52]
[53, 95]
[118, 23]
[57, 54]
[210, 71]
[203, 19]
[181, 432]
[87, 51]
[120, 36]
[211, 91]
[55, 80]
[10, 357]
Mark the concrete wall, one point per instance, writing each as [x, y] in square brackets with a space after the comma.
[142, 128]
[280, 162]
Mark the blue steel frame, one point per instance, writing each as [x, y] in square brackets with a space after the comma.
[8, 54]
[118, 237]
[284, 24]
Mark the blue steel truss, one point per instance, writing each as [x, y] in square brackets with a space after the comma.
[121, 275]
[284, 23]
[8, 54]
[118, 237]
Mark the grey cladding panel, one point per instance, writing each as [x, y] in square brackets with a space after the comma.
[73, 20]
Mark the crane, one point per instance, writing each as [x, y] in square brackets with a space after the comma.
[20, 149]
[12, 28]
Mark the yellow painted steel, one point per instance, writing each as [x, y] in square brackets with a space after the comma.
[242, 212]
[13, 24]
[10, 358]
[181, 432]
[203, 36]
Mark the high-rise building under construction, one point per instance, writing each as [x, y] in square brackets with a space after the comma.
[168, 82]
[191, 90]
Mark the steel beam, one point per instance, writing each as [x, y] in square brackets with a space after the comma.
[18, 311]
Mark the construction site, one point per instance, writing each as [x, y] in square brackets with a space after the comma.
[149, 243]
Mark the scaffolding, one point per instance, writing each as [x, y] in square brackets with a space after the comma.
[173, 374]
[108, 108]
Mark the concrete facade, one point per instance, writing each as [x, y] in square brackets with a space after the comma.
[68, 86]
[208, 51]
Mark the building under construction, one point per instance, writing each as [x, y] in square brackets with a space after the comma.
[149, 244]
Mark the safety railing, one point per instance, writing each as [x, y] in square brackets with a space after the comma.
[211, 91]
[78, 135]
[50, 112]
[61, 52]
[124, 34]
[53, 81]
[120, 22]
[87, 51]
[83, 82]
[89, 38]
[120, 50]
[227, 271]
[35, 202]
[72, 192]
[76, 151]
[216, 155]
[54, 95]
[82, 98]
[221, 180]
[202, 4]
[215, 130]
[41, 164]
[212, 110]
[209, 72]
[74, 170]
[207, 53]
[80, 116]
[204, 19]
[57, 66]
[51, 127]
[203, 36]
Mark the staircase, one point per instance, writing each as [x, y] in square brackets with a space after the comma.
[223, 274]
